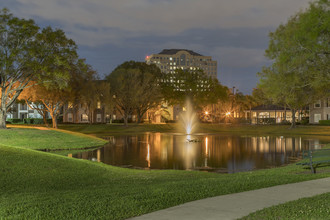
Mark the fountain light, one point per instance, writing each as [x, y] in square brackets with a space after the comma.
[188, 119]
[206, 113]
[228, 114]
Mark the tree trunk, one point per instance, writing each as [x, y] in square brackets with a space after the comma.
[45, 119]
[3, 113]
[54, 121]
[125, 121]
[139, 118]
[293, 124]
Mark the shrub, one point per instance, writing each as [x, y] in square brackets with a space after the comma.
[14, 120]
[28, 120]
[304, 121]
[324, 122]
[38, 121]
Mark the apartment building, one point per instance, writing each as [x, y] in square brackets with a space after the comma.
[22, 111]
[169, 60]
[319, 110]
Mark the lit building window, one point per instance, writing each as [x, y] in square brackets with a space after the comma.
[70, 105]
[98, 104]
[84, 117]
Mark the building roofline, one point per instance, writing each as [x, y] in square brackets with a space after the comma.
[175, 51]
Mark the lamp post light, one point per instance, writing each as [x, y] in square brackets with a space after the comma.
[227, 115]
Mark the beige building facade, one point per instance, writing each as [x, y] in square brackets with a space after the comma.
[319, 110]
[169, 60]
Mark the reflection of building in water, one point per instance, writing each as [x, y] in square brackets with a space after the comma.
[234, 153]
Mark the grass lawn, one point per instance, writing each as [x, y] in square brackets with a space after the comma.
[316, 207]
[118, 129]
[40, 185]
[46, 139]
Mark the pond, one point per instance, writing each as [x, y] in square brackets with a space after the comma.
[205, 152]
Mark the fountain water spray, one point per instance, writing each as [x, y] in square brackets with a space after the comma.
[188, 119]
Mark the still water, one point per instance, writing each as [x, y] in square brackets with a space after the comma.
[216, 153]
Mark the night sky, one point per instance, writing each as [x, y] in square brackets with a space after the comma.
[109, 32]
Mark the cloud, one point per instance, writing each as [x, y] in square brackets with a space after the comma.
[158, 18]
[236, 57]
[109, 32]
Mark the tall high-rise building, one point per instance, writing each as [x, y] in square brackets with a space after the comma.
[170, 60]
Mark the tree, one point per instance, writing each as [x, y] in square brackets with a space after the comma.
[135, 86]
[259, 97]
[53, 97]
[29, 56]
[300, 51]
[124, 87]
[40, 108]
[93, 94]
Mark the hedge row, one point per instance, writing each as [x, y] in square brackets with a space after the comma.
[28, 121]
[324, 122]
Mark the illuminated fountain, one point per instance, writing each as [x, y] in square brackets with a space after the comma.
[188, 119]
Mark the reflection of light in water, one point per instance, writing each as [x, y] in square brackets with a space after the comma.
[188, 153]
[98, 155]
[148, 155]
[206, 146]
[206, 150]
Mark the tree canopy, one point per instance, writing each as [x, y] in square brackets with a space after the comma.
[135, 87]
[30, 55]
[80, 89]
[300, 52]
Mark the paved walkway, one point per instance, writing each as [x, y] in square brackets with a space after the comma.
[237, 205]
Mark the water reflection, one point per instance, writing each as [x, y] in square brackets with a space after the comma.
[209, 152]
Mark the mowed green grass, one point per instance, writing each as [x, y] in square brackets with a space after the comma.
[316, 207]
[118, 129]
[39, 185]
[46, 139]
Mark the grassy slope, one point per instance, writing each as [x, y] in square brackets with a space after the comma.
[46, 139]
[316, 207]
[41, 185]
